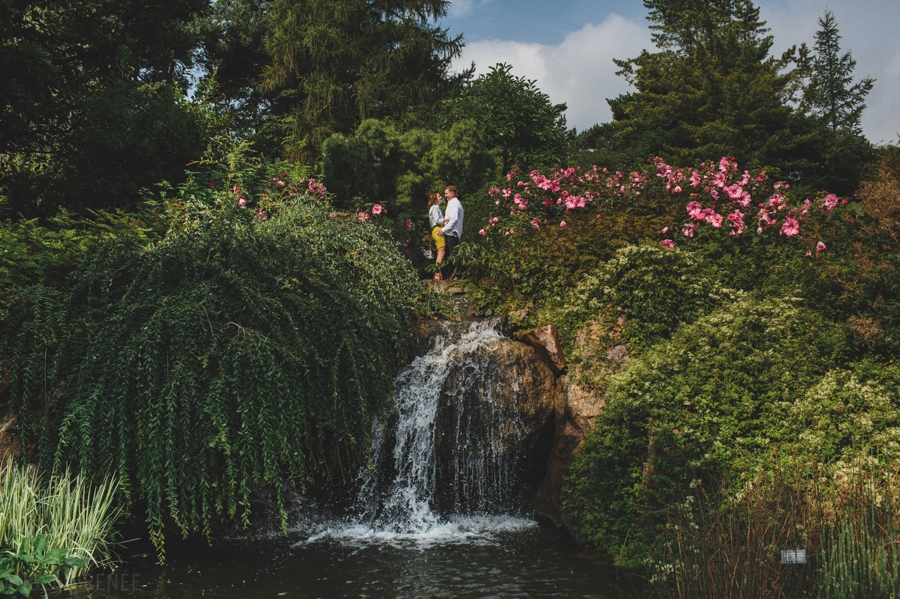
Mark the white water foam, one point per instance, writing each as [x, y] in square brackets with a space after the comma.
[403, 514]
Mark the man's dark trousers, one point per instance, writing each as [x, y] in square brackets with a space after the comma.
[452, 242]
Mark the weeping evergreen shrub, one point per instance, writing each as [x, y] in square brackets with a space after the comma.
[250, 347]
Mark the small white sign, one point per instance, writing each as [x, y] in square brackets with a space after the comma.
[793, 556]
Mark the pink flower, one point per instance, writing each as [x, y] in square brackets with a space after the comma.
[280, 184]
[715, 220]
[695, 179]
[495, 220]
[235, 189]
[536, 222]
[363, 216]
[695, 210]
[262, 215]
[481, 232]
[665, 230]
[242, 202]
[563, 224]
[677, 189]
[667, 243]
[790, 227]
[829, 202]
[688, 230]
[377, 209]
[821, 247]
[409, 224]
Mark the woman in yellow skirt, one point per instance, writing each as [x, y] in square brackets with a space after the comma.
[436, 221]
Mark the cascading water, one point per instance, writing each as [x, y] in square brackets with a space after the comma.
[449, 441]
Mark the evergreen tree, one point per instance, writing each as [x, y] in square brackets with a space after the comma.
[836, 103]
[335, 63]
[514, 117]
[831, 93]
[712, 89]
[93, 102]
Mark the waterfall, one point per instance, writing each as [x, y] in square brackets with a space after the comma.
[448, 441]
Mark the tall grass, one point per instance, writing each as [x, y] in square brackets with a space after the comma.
[724, 544]
[72, 513]
[861, 550]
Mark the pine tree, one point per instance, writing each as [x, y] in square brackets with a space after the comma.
[831, 93]
[712, 89]
[338, 62]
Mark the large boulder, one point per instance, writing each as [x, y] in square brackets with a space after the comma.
[494, 427]
[584, 399]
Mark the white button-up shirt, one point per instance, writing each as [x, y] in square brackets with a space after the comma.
[455, 213]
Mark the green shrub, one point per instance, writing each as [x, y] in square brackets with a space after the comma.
[252, 346]
[711, 400]
[656, 288]
[45, 252]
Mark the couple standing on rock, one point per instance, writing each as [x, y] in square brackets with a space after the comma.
[446, 229]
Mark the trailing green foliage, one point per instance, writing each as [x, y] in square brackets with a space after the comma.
[35, 252]
[252, 346]
[53, 530]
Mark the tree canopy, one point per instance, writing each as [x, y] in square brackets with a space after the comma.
[335, 63]
[514, 116]
[712, 89]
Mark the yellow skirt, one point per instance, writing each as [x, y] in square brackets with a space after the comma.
[439, 240]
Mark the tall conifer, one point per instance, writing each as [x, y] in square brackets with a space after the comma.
[831, 93]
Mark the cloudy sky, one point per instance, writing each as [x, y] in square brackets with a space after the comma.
[567, 46]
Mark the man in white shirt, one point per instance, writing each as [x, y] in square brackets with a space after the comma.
[453, 226]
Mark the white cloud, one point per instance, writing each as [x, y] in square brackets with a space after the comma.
[578, 72]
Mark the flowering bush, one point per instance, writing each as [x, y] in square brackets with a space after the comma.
[716, 196]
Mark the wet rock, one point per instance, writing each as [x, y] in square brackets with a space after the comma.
[494, 425]
[583, 403]
[545, 341]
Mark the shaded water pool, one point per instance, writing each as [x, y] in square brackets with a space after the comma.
[505, 558]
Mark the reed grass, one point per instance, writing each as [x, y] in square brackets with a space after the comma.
[74, 514]
[726, 544]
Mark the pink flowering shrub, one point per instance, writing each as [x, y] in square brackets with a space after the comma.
[718, 199]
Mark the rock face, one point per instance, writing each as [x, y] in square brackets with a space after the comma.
[581, 406]
[494, 424]
[545, 341]
[508, 411]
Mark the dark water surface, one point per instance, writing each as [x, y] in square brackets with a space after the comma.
[525, 560]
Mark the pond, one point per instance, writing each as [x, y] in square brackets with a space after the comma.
[472, 557]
